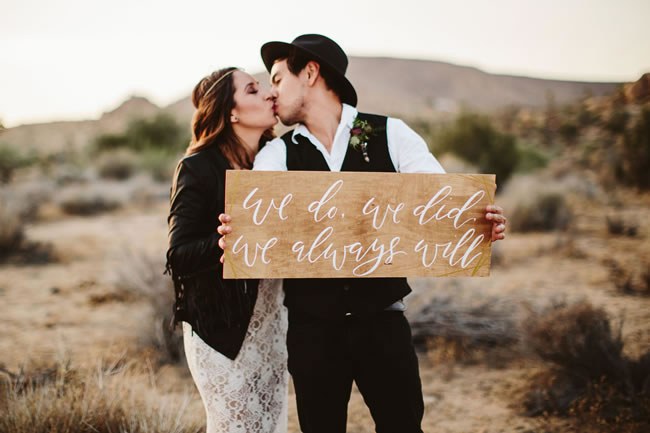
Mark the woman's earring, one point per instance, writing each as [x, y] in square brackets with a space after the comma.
[234, 119]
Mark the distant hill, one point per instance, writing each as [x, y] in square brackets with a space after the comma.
[409, 88]
[399, 87]
[54, 137]
[416, 87]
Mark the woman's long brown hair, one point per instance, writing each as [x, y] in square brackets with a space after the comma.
[211, 121]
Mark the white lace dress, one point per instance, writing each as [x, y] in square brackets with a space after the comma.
[248, 394]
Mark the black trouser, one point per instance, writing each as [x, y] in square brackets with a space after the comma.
[374, 351]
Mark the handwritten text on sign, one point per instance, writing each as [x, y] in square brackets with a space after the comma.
[321, 224]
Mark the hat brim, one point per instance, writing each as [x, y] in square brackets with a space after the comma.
[271, 51]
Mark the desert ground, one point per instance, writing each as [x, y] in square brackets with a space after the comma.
[72, 307]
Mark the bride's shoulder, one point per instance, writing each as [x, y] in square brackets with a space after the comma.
[205, 163]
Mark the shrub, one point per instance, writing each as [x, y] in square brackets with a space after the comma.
[473, 138]
[578, 338]
[530, 159]
[616, 225]
[71, 173]
[19, 205]
[27, 197]
[585, 117]
[634, 167]
[159, 164]
[589, 377]
[568, 130]
[90, 200]
[110, 142]
[118, 165]
[617, 121]
[161, 133]
[10, 161]
[541, 211]
[11, 229]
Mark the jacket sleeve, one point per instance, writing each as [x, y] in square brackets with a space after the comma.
[193, 241]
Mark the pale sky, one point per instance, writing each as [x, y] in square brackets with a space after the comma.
[74, 59]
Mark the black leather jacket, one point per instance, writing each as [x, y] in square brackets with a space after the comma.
[219, 310]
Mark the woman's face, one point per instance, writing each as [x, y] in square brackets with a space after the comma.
[253, 104]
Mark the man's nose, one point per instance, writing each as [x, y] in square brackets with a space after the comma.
[268, 95]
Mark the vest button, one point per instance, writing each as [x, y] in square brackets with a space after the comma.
[346, 288]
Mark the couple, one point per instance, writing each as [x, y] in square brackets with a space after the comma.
[239, 337]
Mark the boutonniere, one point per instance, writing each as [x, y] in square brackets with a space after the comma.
[359, 136]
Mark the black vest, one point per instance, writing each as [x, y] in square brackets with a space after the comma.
[334, 297]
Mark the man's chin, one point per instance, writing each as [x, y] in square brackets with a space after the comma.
[287, 121]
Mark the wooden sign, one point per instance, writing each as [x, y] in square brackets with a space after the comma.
[302, 224]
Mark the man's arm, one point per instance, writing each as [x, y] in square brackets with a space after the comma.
[410, 154]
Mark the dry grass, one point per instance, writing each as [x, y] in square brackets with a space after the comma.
[140, 274]
[113, 397]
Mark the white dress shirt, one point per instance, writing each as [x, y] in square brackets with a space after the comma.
[408, 151]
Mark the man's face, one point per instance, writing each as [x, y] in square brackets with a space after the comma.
[289, 93]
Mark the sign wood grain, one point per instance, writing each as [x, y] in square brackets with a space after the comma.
[347, 224]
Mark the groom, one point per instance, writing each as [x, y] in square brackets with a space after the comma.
[344, 330]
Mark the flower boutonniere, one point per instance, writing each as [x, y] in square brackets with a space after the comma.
[359, 136]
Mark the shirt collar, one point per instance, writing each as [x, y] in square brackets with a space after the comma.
[348, 114]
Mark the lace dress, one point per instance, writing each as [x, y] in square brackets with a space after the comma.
[248, 394]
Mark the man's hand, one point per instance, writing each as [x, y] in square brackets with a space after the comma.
[223, 230]
[494, 214]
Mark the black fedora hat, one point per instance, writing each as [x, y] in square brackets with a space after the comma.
[323, 50]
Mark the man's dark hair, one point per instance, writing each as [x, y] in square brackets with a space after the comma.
[296, 62]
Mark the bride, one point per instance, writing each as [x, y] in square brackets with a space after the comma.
[234, 330]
